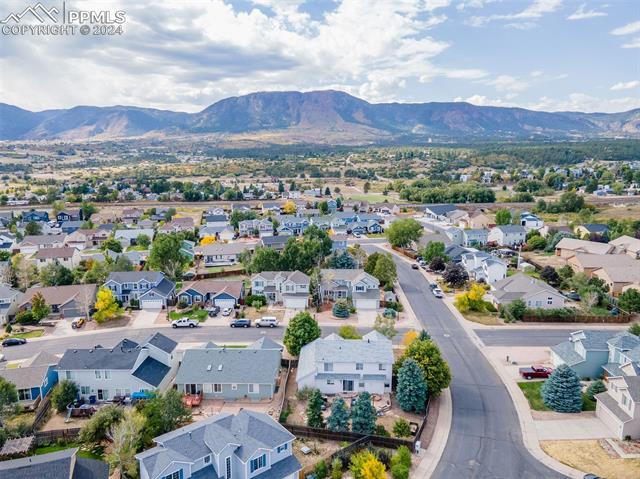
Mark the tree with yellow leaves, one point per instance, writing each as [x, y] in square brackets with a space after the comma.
[409, 337]
[472, 299]
[107, 307]
[207, 240]
[289, 208]
[373, 469]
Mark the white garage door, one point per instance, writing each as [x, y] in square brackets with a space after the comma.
[295, 302]
[151, 304]
[368, 304]
[224, 303]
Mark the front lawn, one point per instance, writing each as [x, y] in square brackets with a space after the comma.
[532, 391]
[482, 317]
[199, 315]
[36, 333]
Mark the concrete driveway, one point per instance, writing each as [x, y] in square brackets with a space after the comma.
[587, 426]
[146, 318]
[366, 318]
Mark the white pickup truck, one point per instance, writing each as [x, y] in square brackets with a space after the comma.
[184, 323]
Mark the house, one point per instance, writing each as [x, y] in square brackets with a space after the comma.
[65, 464]
[128, 367]
[335, 365]
[86, 239]
[507, 235]
[69, 301]
[225, 294]
[32, 243]
[476, 220]
[289, 288]
[567, 247]
[33, 378]
[276, 242]
[230, 373]
[483, 267]
[628, 245]
[455, 252]
[439, 212]
[6, 218]
[241, 446]
[221, 233]
[70, 226]
[534, 293]
[222, 254]
[291, 224]
[7, 241]
[618, 278]
[131, 216]
[69, 215]
[587, 262]
[256, 227]
[339, 243]
[104, 217]
[67, 257]
[361, 287]
[475, 237]
[271, 206]
[177, 225]
[548, 230]
[220, 219]
[129, 237]
[150, 289]
[530, 221]
[589, 229]
[35, 216]
[9, 301]
[619, 406]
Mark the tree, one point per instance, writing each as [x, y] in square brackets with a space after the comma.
[630, 300]
[403, 232]
[357, 462]
[143, 241]
[409, 337]
[340, 309]
[336, 468]
[87, 209]
[366, 187]
[402, 428]
[372, 260]
[339, 418]
[165, 256]
[432, 250]
[207, 240]
[321, 471]
[401, 463]
[163, 413]
[550, 275]
[32, 228]
[323, 206]
[385, 325]
[55, 274]
[385, 270]
[265, 259]
[437, 264]
[373, 469]
[315, 287]
[342, 260]
[314, 409]
[301, 331]
[471, 300]
[107, 308]
[97, 428]
[412, 389]
[125, 437]
[536, 243]
[359, 254]
[289, 208]
[503, 217]
[596, 387]
[363, 414]
[435, 369]
[8, 398]
[64, 393]
[515, 310]
[635, 329]
[39, 308]
[562, 391]
[349, 332]
[111, 244]
[313, 232]
[455, 275]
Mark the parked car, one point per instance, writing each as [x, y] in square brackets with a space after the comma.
[433, 285]
[14, 341]
[240, 323]
[267, 322]
[77, 323]
[415, 266]
[184, 323]
[213, 311]
[437, 292]
[536, 371]
[227, 311]
[573, 295]
[357, 235]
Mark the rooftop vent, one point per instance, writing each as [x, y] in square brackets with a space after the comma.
[209, 367]
[220, 367]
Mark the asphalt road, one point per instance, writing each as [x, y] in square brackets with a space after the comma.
[485, 440]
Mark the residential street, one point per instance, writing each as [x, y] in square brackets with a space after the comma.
[485, 439]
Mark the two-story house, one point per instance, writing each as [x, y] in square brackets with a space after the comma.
[177, 225]
[507, 235]
[360, 286]
[256, 227]
[339, 243]
[9, 301]
[65, 464]
[247, 445]
[125, 369]
[335, 365]
[150, 289]
[69, 215]
[292, 224]
[32, 243]
[224, 294]
[289, 288]
[66, 256]
[86, 239]
[475, 237]
[619, 405]
[530, 221]
[33, 378]
[484, 267]
[276, 242]
[220, 219]
[131, 216]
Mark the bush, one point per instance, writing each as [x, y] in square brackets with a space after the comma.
[401, 428]
[64, 393]
[594, 388]
[381, 431]
[402, 457]
[304, 393]
[336, 468]
[182, 304]
[8, 328]
[321, 471]
[96, 429]
[25, 317]
[399, 471]
[256, 298]
[341, 309]
[349, 332]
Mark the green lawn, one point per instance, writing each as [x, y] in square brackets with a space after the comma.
[96, 453]
[219, 269]
[200, 315]
[372, 198]
[36, 333]
[531, 390]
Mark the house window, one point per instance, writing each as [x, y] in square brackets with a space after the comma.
[361, 384]
[217, 388]
[330, 382]
[549, 300]
[84, 390]
[284, 447]
[207, 459]
[382, 367]
[24, 394]
[107, 374]
[67, 374]
[254, 388]
[359, 366]
[175, 475]
[234, 387]
[258, 463]
[98, 374]
[360, 288]
[328, 367]
[227, 463]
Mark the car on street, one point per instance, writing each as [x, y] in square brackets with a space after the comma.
[184, 323]
[536, 371]
[415, 266]
[433, 285]
[213, 311]
[240, 323]
[14, 341]
[77, 323]
[437, 292]
[227, 311]
[267, 322]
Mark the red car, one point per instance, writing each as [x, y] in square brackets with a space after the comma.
[536, 371]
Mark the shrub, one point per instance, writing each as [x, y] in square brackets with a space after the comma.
[182, 304]
[8, 328]
[321, 471]
[304, 393]
[401, 428]
[381, 431]
[252, 299]
[349, 332]
[402, 457]
[25, 317]
[63, 393]
[336, 468]
[96, 429]
[398, 471]
[594, 388]
[341, 309]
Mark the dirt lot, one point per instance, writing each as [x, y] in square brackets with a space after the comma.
[544, 259]
[589, 456]
[320, 449]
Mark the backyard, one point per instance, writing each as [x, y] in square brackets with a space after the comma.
[95, 452]
[531, 390]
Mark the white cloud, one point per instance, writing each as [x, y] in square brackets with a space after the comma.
[586, 103]
[634, 43]
[534, 11]
[582, 13]
[508, 83]
[625, 85]
[627, 29]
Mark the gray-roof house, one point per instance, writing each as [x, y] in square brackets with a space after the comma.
[128, 367]
[248, 445]
[222, 254]
[33, 378]
[535, 293]
[360, 286]
[335, 365]
[507, 235]
[289, 288]
[64, 464]
[231, 373]
[475, 237]
[9, 300]
[619, 406]
[439, 212]
[128, 238]
[151, 289]
[256, 227]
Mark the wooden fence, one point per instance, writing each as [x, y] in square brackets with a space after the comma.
[407, 252]
[49, 437]
[578, 318]
[347, 436]
[41, 412]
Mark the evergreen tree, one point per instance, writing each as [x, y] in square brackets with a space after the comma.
[314, 409]
[339, 418]
[340, 309]
[435, 369]
[412, 388]
[342, 261]
[301, 331]
[562, 391]
[594, 388]
[363, 414]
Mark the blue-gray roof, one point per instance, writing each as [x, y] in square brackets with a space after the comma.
[151, 371]
[122, 356]
[440, 210]
[567, 353]
[596, 227]
[624, 341]
[135, 276]
[160, 341]
[284, 468]
[55, 465]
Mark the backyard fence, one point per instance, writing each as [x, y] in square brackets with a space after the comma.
[578, 318]
[49, 437]
[41, 412]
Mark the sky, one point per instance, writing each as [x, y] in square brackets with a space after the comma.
[184, 55]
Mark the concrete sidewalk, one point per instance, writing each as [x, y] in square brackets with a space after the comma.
[430, 457]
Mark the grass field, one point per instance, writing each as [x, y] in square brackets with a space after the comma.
[36, 333]
[531, 390]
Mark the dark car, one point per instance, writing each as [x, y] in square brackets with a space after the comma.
[573, 295]
[240, 323]
[213, 311]
[415, 266]
[14, 341]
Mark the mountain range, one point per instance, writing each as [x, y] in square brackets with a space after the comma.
[322, 117]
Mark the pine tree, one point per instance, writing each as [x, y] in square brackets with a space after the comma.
[412, 388]
[339, 418]
[562, 391]
[314, 409]
[363, 414]
[340, 309]
[594, 388]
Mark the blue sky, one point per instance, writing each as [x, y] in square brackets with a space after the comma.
[184, 55]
